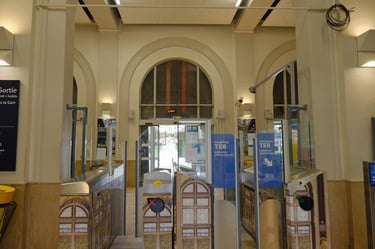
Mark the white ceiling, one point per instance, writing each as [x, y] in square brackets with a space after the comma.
[108, 16]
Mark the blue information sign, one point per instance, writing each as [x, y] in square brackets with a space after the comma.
[223, 161]
[269, 163]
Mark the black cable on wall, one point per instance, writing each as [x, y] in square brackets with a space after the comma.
[338, 17]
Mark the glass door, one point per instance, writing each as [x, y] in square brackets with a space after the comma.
[193, 149]
[181, 146]
[147, 151]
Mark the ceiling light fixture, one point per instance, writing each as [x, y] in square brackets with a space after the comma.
[366, 49]
[243, 3]
[6, 47]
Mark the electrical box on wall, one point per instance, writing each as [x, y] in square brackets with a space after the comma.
[220, 114]
[268, 114]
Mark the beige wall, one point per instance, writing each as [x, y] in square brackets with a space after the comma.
[34, 224]
[347, 214]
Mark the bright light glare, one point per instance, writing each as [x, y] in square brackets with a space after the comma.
[238, 3]
[369, 64]
[4, 63]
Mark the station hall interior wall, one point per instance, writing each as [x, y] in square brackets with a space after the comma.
[35, 194]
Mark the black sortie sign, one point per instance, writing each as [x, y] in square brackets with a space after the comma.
[9, 99]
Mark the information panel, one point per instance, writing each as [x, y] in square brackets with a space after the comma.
[9, 102]
[223, 161]
[269, 162]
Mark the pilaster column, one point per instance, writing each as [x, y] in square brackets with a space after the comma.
[319, 85]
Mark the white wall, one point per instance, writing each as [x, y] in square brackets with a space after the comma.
[359, 86]
[360, 103]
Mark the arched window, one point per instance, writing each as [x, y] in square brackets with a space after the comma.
[176, 88]
[285, 92]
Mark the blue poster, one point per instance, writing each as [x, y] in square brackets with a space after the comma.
[223, 161]
[269, 163]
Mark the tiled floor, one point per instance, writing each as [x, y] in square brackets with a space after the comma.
[131, 242]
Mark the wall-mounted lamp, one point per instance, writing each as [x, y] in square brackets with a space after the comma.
[366, 49]
[244, 110]
[106, 110]
[6, 47]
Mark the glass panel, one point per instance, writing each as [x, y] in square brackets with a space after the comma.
[162, 112]
[147, 161]
[189, 189]
[80, 212]
[149, 227]
[181, 111]
[161, 83]
[81, 227]
[148, 157]
[203, 232]
[67, 212]
[202, 216]
[176, 88]
[188, 216]
[65, 228]
[188, 232]
[147, 112]
[172, 147]
[278, 90]
[149, 213]
[190, 112]
[188, 202]
[148, 89]
[202, 201]
[191, 84]
[289, 99]
[205, 93]
[175, 81]
[278, 112]
[300, 145]
[201, 188]
[181, 147]
[168, 146]
[192, 149]
[165, 213]
[166, 227]
[205, 112]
